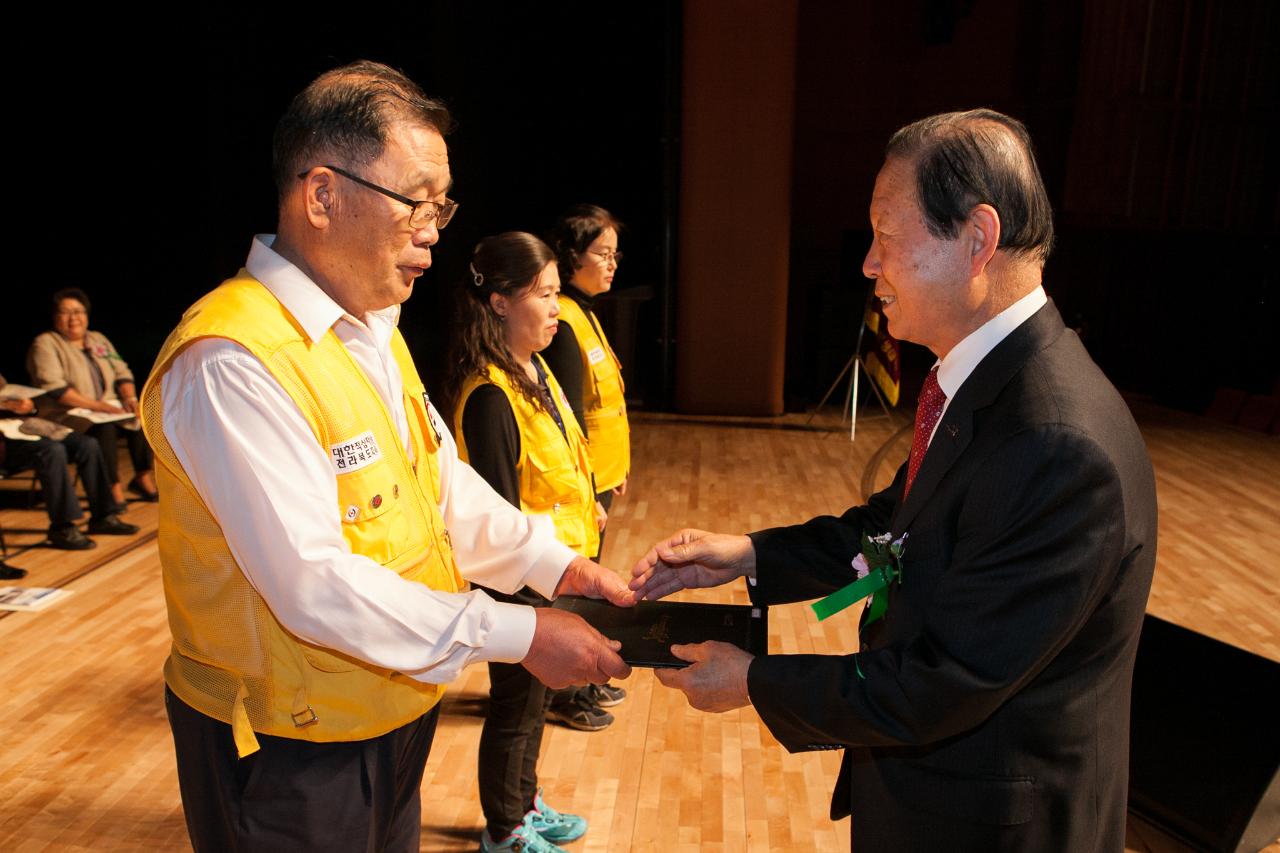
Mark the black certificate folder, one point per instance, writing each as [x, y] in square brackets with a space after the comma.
[648, 630]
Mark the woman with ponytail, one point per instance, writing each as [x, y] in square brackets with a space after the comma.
[515, 428]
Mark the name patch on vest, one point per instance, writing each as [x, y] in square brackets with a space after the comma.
[595, 355]
[355, 453]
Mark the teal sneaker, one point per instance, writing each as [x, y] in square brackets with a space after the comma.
[525, 839]
[556, 827]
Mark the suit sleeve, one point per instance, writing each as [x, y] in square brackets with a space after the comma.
[1039, 538]
[810, 560]
[564, 359]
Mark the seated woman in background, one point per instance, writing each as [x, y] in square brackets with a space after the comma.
[82, 369]
[515, 429]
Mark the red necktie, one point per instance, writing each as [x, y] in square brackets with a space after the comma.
[928, 410]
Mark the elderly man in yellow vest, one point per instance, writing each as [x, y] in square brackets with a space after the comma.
[316, 526]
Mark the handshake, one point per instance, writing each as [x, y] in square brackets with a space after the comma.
[566, 650]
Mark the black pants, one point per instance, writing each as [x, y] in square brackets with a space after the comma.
[511, 739]
[297, 795]
[139, 450]
[48, 458]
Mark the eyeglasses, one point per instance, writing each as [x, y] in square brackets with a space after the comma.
[424, 212]
[608, 257]
[71, 312]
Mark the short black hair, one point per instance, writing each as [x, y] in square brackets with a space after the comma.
[978, 157]
[69, 293]
[344, 115]
[575, 230]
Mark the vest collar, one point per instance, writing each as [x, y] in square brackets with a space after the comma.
[315, 310]
[587, 302]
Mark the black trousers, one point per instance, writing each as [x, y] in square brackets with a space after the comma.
[511, 739]
[297, 795]
[48, 458]
[139, 451]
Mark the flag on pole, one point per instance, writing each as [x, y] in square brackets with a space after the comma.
[882, 360]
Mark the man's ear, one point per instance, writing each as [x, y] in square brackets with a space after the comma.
[983, 232]
[319, 197]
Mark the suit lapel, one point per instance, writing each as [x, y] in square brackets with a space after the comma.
[953, 435]
[955, 430]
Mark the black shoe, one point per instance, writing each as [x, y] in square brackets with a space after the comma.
[111, 525]
[11, 573]
[576, 710]
[135, 486]
[70, 538]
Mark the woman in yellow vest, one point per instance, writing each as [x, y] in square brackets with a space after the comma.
[585, 240]
[514, 427]
[586, 243]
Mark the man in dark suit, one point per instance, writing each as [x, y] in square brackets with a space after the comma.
[989, 708]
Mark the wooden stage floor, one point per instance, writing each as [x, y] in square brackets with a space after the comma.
[88, 763]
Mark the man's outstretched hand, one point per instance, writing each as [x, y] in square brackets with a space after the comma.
[692, 559]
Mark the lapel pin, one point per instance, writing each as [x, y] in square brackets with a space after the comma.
[953, 430]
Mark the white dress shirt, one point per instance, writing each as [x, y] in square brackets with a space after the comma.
[969, 353]
[255, 462]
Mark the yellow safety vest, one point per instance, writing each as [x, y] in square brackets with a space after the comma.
[231, 660]
[603, 403]
[555, 471]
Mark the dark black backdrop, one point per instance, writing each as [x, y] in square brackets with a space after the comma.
[138, 163]
[161, 163]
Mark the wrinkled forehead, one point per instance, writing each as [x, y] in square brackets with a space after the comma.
[895, 188]
[417, 158]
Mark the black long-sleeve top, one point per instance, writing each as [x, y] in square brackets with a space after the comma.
[564, 357]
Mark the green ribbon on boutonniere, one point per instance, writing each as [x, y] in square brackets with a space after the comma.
[879, 565]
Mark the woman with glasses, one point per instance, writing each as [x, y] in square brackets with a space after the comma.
[81, 369]
[514, 427]
[585, 240]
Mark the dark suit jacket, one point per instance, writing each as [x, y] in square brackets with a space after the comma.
[993, 708]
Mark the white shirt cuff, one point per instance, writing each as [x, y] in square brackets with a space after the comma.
[544, 576]
[512, 634]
